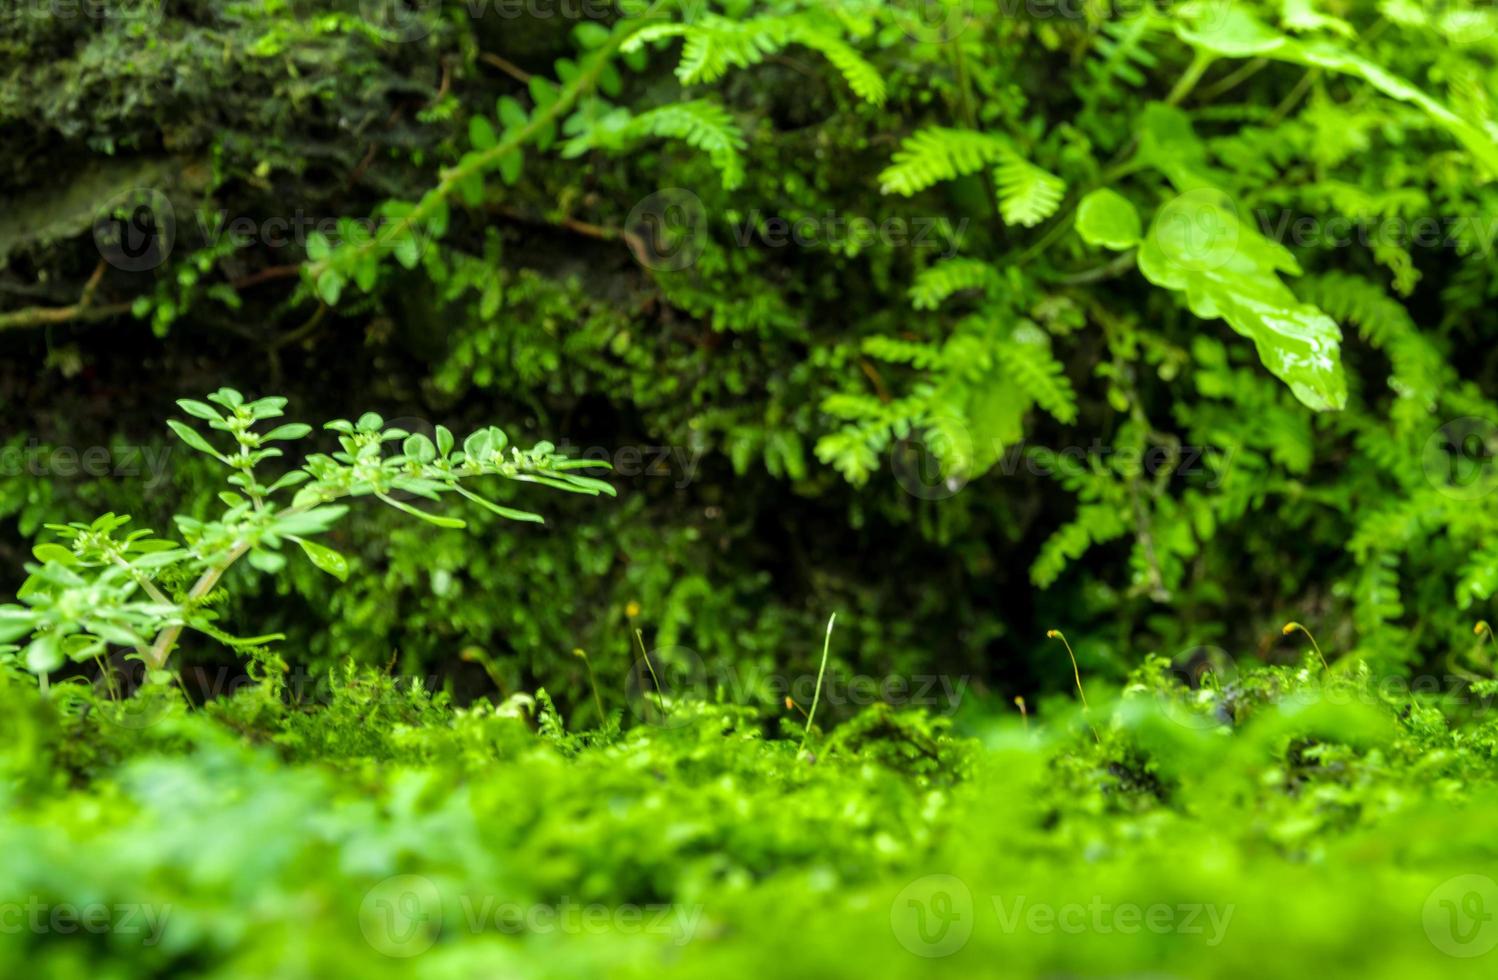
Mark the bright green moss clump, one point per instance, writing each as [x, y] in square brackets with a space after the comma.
[386, 832]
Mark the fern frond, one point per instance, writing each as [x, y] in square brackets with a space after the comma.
[896, 351]
[1027, 194]
[935, 154]
[1026, 356]
[1419, 371]
[1094, 524]
[1124, 55]
[701, 124]
[713, 44]
[862, 77]
[935, 284]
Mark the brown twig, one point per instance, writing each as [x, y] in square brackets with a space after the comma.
[83, 311]
[266, 275]
[508, 67]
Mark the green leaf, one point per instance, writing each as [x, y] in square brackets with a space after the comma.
[325, 558]
[408, 251]
[437, 519]
[510, 166]
[54, 552]
[419, 448]
[511, 115]
[1107, 218]
[291, 430]
[481, 133]
[313, 521]
[266, 561]
[201, 410]
[590, 35]
[16, 622]
[193, 438]
[318, 247]
[330, 287]
[44, 654]
[506, 512]
[1197, 245]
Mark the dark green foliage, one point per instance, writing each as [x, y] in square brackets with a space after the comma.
[969, 319]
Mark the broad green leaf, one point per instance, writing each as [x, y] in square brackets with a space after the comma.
[44, 654]
[419, 448]
[54, 552]
[1107, 218]
[1234, 31]
[1298, 343]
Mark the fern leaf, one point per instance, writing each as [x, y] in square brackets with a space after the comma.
[1027, 194]
[935, 154]
[701, 124]
[1026, 356]
[934, 285]
[862, 77]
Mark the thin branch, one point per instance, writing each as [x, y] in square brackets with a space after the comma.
[508, 67]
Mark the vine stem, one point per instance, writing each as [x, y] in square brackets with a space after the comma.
[478, 163]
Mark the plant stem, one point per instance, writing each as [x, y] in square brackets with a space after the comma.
[162, 648]
[817, 694]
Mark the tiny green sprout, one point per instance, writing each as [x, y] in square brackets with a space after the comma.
[1024, 713]
[821, 672]
[592, 682]
[660, 699]
[1482, 628]
[1292, 627]
[1076, 675]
